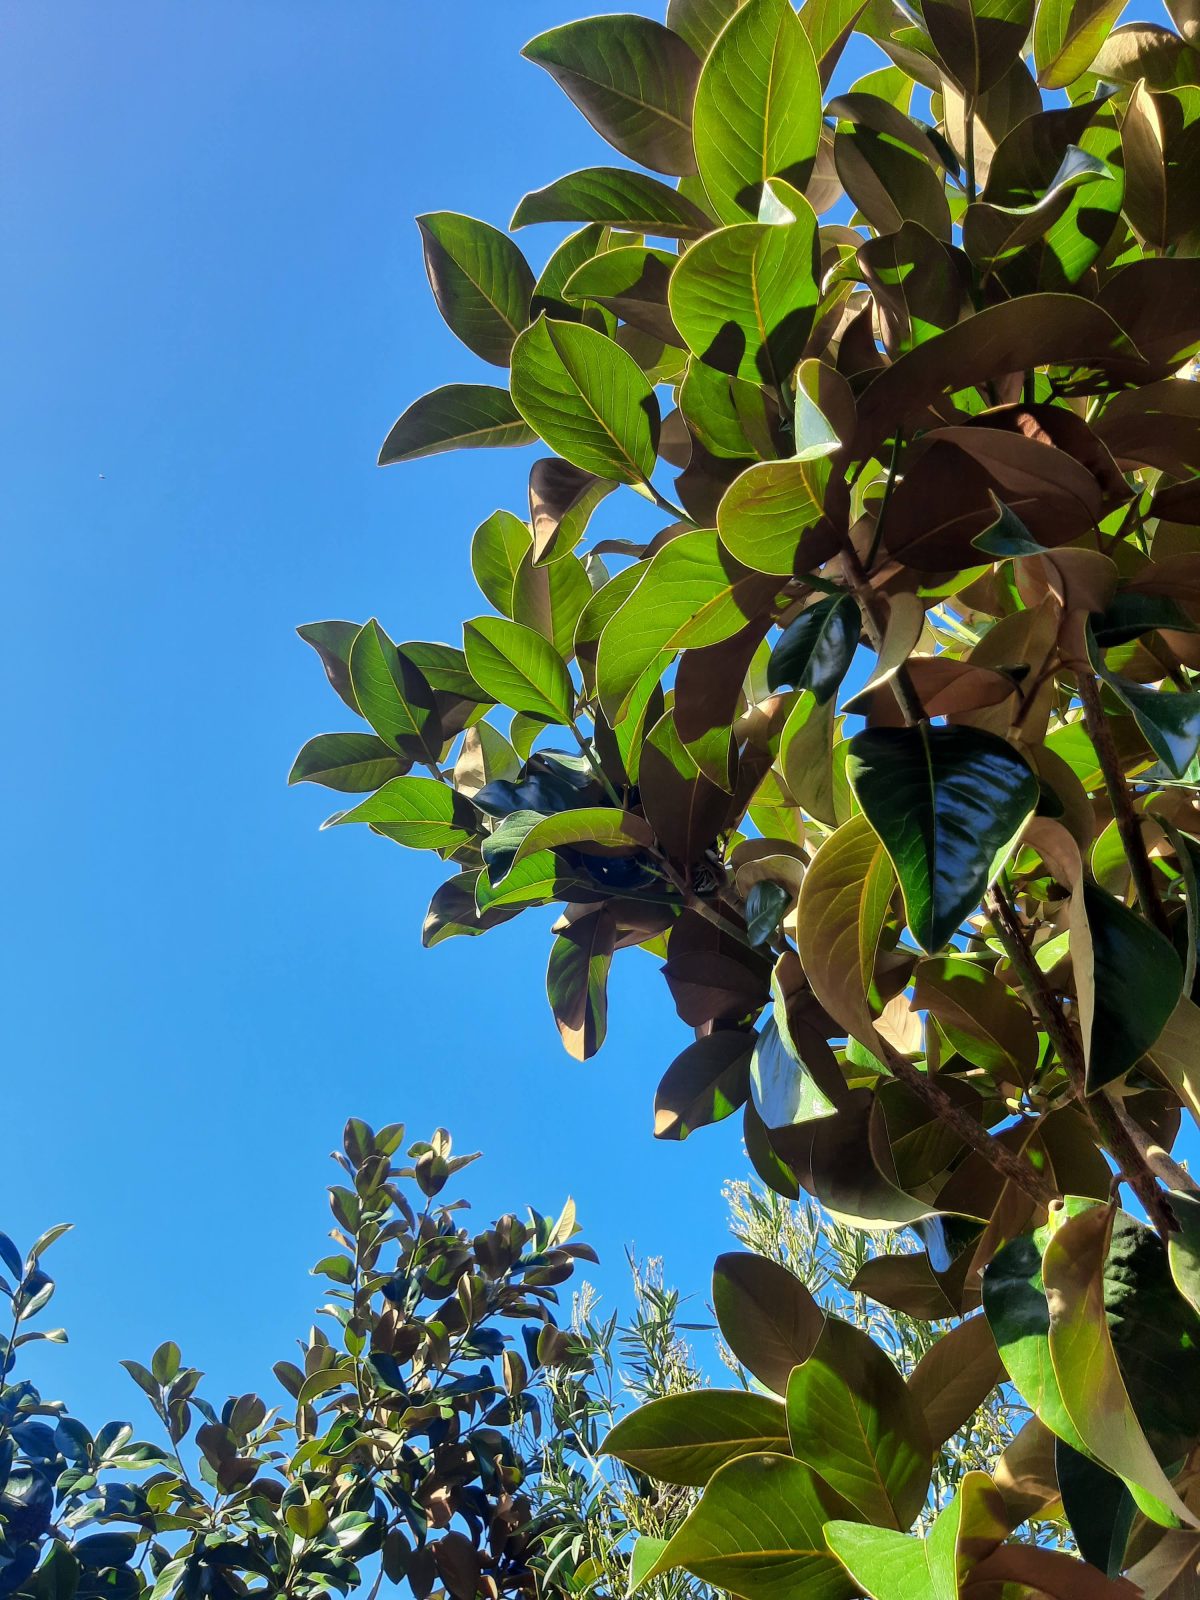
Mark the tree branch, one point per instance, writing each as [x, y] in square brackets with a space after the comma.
[1115, 1128]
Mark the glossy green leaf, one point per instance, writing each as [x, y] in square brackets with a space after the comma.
[351, 762]
[460, 416]
[499, 548]
[393, 695]
[519, 668]
[765, 513]
[1097, 1505]
[619, 198]
[984, 1021]
[765, 905]
[634, 81]
[784, 1088]
[758, 1533]
[419, 812]
[587, 399]
[686, 1438]
[816, 649]
[993, 234]
[758, 108]
[480, 280]
[1133, 981]
[1183, 1248]
[948, 805]
[851, 1418]
[744, 297]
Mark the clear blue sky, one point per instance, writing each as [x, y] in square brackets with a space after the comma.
[214, 308]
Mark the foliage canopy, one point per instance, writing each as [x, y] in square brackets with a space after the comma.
[916, 354]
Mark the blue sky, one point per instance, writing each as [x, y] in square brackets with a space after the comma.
[214, 309]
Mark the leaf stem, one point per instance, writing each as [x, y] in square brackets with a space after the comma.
[1128, 825]
[589, 756]
[877, 535]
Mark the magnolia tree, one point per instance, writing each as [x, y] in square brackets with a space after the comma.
[904, 368]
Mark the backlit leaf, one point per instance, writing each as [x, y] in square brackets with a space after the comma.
[519, 668]
[460, 416]
[686, 1438]
[480, 280]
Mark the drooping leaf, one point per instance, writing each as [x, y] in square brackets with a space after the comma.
[686, 1438]
[851, 1418]
[758, 108]
[480, 280]
[519, 668]
[1093, 1391]
[460, 416]
[577, 981]
[634, 81]
[948, 804]
[917, 282]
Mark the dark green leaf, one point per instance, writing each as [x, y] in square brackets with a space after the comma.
[815, 651]
[351, 762]
[765, 905]
[948, 805]
[766, 1315]
[686, 1438]
[393, 695]
[480, 280]
[634, 81]
[460, 416]
[619, 198]
[1137, 979]
[632, 283]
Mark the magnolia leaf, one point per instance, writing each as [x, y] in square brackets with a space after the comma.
[692, 593]
[419, 812]
[394, 695]
[948, 805]
[619, 198]
[816, 649]
[981, 1017]
[852, 1419]
[634, 81]
[602, 827]
[758, 1532]
[460, 416]
[744, 297]
[766, 1316]
[758, 108]
[954, 1377]
[979, 40]
[1183, 1248]
[518, 668]
[352, 762]
[686, 1438]
[632, 282]
[577, 981]
[917, 282]
[765, 905]
[704, 1084]
[844, 901]
[480, 280]
[1129, 981]
[1067, 35]
[784, 1088]
[766, 512]
[587, 399]
[700, 21]
[1093, 1391]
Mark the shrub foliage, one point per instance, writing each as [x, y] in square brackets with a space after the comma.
[885, 743]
